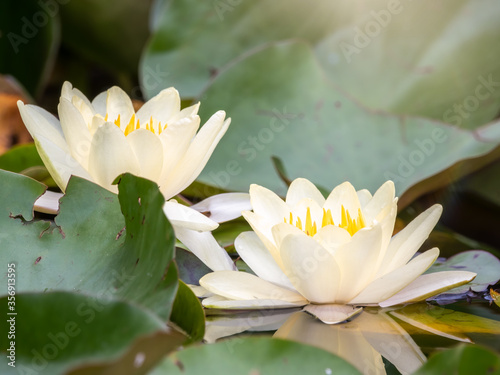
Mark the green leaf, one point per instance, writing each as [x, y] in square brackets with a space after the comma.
[448, 72]
[462, 360]
[317, 132]
[486, 265]
[259, 355]
[20, 157]
[191, 268]
[87, 249]
[30, 33]
[188, 314]
[58, 330]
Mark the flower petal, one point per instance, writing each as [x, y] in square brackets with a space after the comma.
[262, 227]
[184, 216]
[198, 153]
[148, 150]
[110, 156]
[342, 195]
[245, 286]
[383, 196]
[59, 162]
[388, 285]
[332, 237]
[332, 313]
[302, 188]
[99, 103]
[39, 122]
[429, 285]
[119, 103]
[217, 302]
[224, 207]
[356, 260]
[364, 197]
[205, 247]
[310, 268]
[48, 203]
[253, 252]
[186, 112]
[405, 244]
[75, 130]
[267, 204]
[161, 107]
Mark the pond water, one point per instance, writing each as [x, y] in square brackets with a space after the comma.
[378, 341]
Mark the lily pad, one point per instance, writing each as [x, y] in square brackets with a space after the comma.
[58, 330]
[254, 355]
[486, 265]
[317, 132]
[92, 247]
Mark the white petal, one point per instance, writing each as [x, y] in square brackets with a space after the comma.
[253, 252]
[406, 243]
[206, 248]
[332, 237]
[198, 153]
[383, 196]
[262, 227]
[84, 107]
[388, 285]
[76, 132]
[224, 207]
[310, 268]
[110, 156]
[267, 204]
[148, 150]
[282, 230]
[364, 197]
[39, 122]
[119, 103]
[331, 313]
[217, 302]
[162, 107]
[356, 260]
[301, 188]
[199, 291]
[245, 286]
[59, 162]
[175, 139]
[429, 285]
[99, 103]
[343, 195]
[186, 112]
[76, 97]
[184, 216]
[48, 203]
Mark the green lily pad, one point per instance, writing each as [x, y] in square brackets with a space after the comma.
[485, 264]
[58, 330]
[464, 359]
[317, 132]
[87, 249]
[188, 314]
[254, 355]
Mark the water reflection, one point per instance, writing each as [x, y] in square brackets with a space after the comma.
[368, 338]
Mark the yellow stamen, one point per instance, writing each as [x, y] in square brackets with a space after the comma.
[131, 125]
[346, 222]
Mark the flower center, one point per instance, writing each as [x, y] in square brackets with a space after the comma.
[134, 125]
[346, 222]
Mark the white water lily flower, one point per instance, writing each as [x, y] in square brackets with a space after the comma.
[338, 251]
[102, 139]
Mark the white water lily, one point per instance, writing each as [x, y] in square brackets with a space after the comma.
[100, 139]
[338, 251]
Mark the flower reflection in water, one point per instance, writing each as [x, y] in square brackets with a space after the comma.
[365, 340]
